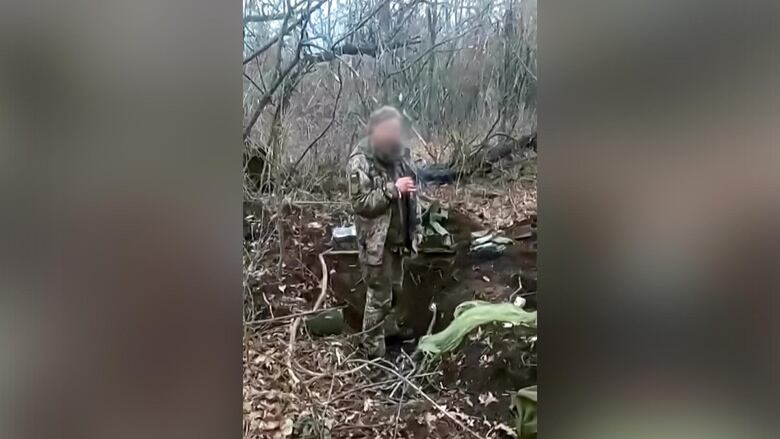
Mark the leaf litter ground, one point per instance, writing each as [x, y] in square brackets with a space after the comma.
[466, 392]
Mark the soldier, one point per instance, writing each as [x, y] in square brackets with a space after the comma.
[382, 192]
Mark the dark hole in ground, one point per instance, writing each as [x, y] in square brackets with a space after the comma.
[492, 364]
[447, 280]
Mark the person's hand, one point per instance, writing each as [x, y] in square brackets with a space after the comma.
[405, 185]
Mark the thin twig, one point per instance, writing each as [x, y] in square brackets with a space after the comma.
[304, 203]
[378, 384]
[359, 25]
[530, 73]
[324, 131]
[423, 54]
[304, 16]
[297, 322]
[356, 426]
[320, 375]
[254, 83]
[398, 412]
[281, 75]
[291, 316]
[423, 394]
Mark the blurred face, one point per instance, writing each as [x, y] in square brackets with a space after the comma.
[386, 138]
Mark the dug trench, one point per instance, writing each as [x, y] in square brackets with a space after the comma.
[483, 365]
[476, 379]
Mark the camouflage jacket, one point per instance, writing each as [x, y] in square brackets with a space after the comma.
[371, 193]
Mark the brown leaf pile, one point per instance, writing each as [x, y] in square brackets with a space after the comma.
[497, 207]
[340, 398]
[336, 395]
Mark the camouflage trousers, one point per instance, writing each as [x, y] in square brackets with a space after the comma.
[380, 317]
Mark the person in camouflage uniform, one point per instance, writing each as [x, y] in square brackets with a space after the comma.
[382, 194]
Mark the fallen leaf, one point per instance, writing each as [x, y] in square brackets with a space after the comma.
[329, 423]
[282, 288]
[430, 419]
[287, 427]
[504, 428]
[502, 240]
[487, 398]
[486, 279]
[269, 425]
[480, 233]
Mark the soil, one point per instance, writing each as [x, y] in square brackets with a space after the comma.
[444, 280]
[491, 362]
[474, 380]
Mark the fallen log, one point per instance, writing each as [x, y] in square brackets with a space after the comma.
[491, 152]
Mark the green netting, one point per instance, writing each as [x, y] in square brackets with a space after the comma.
[470, 315]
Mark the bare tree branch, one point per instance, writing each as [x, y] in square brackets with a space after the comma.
[269, 93]
[351, 49]
[359, 25]
[253, 83]
[330, 124]
[283, 32]
[263, 18]
[530, 73]
[430, 49]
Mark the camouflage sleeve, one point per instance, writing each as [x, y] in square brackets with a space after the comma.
[368, 199]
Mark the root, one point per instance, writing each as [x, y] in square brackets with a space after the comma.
[297, 322]
[423, 394]
[290, 316]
